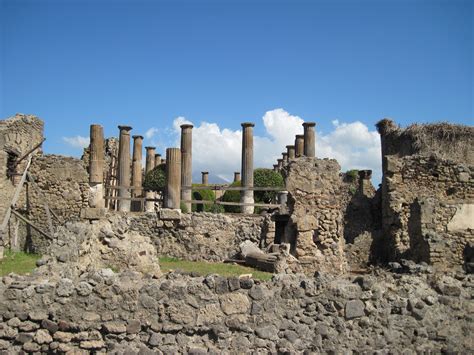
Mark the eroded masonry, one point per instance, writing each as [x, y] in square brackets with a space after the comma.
[99, 287]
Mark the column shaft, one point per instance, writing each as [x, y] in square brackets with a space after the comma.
[149, 166]
[173, 178]
[186, 163]
[124, 168]
[247, 167]
[290, 149]
[205, 177]
[96, 167]
[236, 176]
[157, 159]
[309, 139]
[299, 145]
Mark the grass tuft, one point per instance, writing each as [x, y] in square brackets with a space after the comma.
[204, 268]
[17, 262]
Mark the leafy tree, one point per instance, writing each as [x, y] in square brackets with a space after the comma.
[206, 195]
[155, 180]
[232, 196]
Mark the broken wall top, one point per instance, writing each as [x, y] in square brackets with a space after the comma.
[444, 140]
[20, 133]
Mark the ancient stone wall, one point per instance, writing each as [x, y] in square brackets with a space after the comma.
[198, 236]
[61, 183]
[18, 135]
[427, 209]
[105, 312]
[315, 229]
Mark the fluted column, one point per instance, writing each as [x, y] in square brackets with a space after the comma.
[124, 168]
[247, 166]
[96, 167]
[205, 177]
[236, 176]
[290, 150]
[149, 166]
[173, 178]
[299, 145]
[186, 163]
[309, 139]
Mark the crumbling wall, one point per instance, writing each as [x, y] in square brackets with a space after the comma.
[198, 236]
[61, 183]
[422, 197]
[18, 135]
[315, 229]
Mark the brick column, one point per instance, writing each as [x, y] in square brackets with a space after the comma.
[309, 139]
[205, 177]
[124, 168]
[247, 166]
[236, 176]
[149, 166]
[186, 163]
[290, 150]
[173, 178]
[364, 181]
[299, 145]
[96, 167]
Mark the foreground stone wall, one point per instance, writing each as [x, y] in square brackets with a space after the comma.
[315, 229]
[424, 198]
[129, 313]
[198, 236]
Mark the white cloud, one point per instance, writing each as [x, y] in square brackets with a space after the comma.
[151, 132]
[218, 150]
[77, 141]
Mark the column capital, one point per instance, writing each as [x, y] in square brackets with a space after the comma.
[309, 124]
[124, 128]
[248, 124]
[186, 126]
[290, 146]
[204, 172]
[150, 148]
[137, 137]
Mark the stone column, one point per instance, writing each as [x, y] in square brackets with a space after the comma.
[173, 178]
[290, 150]
[157, 159]
[280, 164]
[247, 166]
[309, 139]
[186, 163]
[96, 167]
[364, 181]
[124, 168]
[275, 167]
[285, 158]
[205, 177]
[137, 174]
[163, 161]
[149, 166]
[299, 145]
[236, 176]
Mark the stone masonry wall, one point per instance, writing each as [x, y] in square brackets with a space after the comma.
[198, 236]
[60, 181]
[315, 229]
[128, 313]
[18, 135]
[422, 197]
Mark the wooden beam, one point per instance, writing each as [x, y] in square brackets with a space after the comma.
[27, 221]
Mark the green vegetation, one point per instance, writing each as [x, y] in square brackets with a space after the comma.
[352, 175]
[204, 268]
[261, 178]
[155, 180]
[232, 196]
[17, 262]
[206, 195]
[183, 207]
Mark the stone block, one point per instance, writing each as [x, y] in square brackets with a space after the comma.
[93, 213]
[169, 214]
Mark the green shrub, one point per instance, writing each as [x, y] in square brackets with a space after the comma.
[266, 178]
[183, 207]
[232, 196]
[352, 175]
[155, 180]
[206, 195]
[261, 178]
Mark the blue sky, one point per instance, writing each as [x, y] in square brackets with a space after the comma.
[146, 63]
